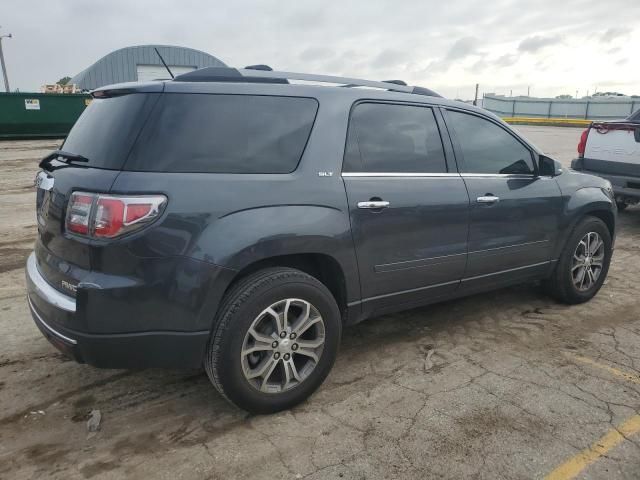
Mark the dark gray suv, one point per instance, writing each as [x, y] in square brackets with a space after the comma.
[238, 219]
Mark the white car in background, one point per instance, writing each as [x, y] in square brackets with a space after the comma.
[612, 150]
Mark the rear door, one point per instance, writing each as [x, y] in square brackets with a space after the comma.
[514, 214]
[408, 205]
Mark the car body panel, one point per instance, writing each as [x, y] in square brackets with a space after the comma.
[161, 287]
[413, 248]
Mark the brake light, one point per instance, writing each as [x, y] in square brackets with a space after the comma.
[582, 145]
[79, 212]
[109, 216]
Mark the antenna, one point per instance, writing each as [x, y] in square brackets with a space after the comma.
[163, 62]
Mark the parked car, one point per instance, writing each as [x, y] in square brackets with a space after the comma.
[612, 150]
[232, 219]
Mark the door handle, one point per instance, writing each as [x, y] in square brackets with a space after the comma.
[490, 199]
[373, 204]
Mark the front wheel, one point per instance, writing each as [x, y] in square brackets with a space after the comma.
[274, 341]
[583, 264]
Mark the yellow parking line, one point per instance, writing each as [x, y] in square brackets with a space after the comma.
[629, 377]
[614, 437]
[572, 467]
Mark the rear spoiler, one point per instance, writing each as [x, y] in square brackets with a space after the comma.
[119, 89]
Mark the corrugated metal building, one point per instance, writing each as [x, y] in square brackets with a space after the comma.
[141, 63]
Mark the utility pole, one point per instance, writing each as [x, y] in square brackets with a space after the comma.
[4, 67]
[475, 100]
[528, 91]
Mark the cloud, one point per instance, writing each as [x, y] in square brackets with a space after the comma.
[538, 42]
[613, 33]
[462, 48]
[427, 42]
[506, 60]
[389, 58]
[316, 53]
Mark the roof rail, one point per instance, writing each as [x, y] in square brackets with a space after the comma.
[260, 66]
[260, 75]
[397, 82]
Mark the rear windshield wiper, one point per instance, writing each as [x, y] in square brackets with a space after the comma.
[61, 154]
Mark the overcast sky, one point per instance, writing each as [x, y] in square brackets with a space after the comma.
[554, 46]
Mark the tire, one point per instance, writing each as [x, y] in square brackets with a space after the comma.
[622, 206]
[562, 284]
[228, 365]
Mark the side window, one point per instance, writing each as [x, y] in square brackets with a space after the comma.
[487, 148]
[393, 138]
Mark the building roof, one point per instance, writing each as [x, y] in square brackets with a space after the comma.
[122, 65]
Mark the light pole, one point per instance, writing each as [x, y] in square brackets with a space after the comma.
[4, 67]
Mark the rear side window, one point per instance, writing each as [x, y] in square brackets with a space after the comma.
[394, 139]
[106, 130]
[488, 148]
[224, 134]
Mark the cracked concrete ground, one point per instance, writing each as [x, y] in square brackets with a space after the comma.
[488, 387]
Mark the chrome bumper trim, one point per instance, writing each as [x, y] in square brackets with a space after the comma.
[46, 291]
[45, 325]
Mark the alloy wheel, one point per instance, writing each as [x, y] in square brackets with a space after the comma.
[283, 345]
[588, 260]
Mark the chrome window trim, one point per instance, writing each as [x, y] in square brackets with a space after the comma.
[443, 175]
[398, 174]
[498, 175]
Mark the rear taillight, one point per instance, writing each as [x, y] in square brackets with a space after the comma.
[582, 145]
[79, 213]
[108, 216]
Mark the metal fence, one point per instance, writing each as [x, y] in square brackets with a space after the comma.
[590, 109]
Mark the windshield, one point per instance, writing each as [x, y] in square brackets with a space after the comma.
[107, 128]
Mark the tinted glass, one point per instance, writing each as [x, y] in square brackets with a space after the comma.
[107, 128]
[488, 148]
[393, 138]
[224, 134]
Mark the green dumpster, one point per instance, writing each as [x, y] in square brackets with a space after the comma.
[39, 115]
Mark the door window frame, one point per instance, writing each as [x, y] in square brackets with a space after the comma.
[459, 155]
[449, 155]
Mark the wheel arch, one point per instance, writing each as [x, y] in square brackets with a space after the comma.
[321, 266]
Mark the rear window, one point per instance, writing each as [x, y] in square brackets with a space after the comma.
[106, 130]
[224, 134]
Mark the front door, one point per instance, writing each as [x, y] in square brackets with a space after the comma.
[408, 209]
[514, 212]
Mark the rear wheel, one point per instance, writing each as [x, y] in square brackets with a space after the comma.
[274, 341]
[583, 264]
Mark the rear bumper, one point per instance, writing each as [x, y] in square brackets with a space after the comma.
[625, 178]
[51, 310]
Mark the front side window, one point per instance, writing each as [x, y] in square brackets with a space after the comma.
[393, 138]
[488, 148]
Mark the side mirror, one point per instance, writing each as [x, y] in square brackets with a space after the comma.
[549, 167]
